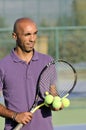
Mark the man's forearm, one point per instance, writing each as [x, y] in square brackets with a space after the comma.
[4, 112]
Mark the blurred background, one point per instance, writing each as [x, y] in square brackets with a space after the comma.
[62, 34]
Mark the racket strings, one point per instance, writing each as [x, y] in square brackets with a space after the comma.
[47, 79]
[58, 79]
[66, 78]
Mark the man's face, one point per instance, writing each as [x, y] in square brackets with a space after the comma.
[26, 36]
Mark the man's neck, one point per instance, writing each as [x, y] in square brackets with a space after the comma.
[25, 56]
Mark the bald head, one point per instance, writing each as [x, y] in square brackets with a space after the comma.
[22, 22]
[25, 34]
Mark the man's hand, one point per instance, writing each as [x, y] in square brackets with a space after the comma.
[24, 117]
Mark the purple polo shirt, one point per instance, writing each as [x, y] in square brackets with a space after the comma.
[18, 82]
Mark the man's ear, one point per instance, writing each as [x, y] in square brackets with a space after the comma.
[14, 36]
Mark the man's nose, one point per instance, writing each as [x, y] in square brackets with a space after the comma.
[32, 38]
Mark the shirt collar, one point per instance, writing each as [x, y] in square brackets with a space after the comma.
[17, 59]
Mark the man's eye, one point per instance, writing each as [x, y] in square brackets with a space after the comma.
[36, 32]
[27, 34]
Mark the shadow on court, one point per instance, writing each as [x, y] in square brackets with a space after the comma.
[71, 127]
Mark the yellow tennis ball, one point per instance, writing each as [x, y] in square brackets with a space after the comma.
[48, 99]
[57, 98]
[46, 93]
[66, 102]
[56, 103]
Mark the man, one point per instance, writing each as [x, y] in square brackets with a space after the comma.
[19, 72]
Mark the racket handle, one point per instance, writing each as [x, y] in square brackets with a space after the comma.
[18, 127]
[36, 108]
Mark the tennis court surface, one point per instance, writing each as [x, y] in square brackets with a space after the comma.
[71, 127]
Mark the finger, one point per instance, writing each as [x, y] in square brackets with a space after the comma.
[27, 120]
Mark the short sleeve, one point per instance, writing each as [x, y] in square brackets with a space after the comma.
[1, 79]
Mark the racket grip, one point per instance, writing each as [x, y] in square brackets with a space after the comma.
[18, 127]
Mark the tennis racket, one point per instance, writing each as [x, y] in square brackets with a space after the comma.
[57, 78]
